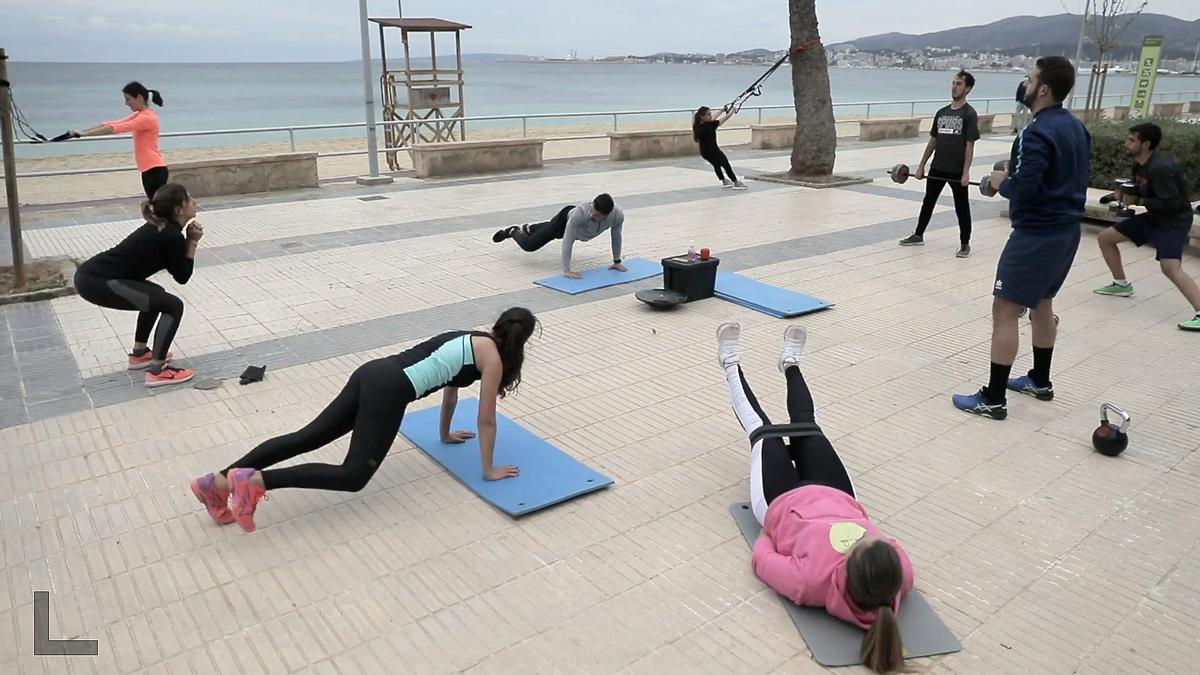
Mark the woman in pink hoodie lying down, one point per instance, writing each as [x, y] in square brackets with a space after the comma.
[818, 546]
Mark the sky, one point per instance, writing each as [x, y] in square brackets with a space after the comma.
[327, 30]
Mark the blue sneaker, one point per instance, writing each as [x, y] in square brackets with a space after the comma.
[1025, 385]
[976, 404]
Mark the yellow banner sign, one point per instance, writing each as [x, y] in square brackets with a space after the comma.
[1143, 82]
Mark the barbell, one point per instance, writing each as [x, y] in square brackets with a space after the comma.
[901, 173]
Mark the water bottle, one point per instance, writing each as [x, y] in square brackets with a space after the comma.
[691, 251]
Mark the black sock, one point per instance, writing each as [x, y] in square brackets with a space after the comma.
[997, 383]
[1041, 366]
[140, 351]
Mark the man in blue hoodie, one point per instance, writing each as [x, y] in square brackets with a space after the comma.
[1046, 185]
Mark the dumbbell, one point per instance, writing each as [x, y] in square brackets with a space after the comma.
[985, 185]
[901, 173]
[1122, 189]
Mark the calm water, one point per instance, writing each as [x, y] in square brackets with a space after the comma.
[58, 96]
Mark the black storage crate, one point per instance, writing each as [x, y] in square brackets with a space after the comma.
[696, 279]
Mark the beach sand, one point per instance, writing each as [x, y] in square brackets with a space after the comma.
[123, 184]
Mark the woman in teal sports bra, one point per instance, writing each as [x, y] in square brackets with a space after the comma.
[370, 407]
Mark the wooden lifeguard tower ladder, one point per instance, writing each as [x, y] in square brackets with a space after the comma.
[425, 96]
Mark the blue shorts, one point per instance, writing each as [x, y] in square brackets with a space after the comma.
[1034, 265]
[1168, 240]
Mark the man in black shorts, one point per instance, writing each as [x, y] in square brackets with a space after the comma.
[1163, 190]
[952, 144]
[1046, 185]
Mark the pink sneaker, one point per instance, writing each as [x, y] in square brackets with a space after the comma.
[142, 362]
[246, 496]
[215, 500]
[168, 376]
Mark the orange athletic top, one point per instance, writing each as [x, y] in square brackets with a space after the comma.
[143, 124]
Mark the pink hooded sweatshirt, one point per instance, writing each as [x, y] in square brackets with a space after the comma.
[802, 550]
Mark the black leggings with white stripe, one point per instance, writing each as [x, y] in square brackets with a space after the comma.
[777, 466]
[151, 301]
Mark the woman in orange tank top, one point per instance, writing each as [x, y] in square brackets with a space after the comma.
[143, 125]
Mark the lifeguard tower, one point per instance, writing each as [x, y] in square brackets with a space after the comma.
[425, 95]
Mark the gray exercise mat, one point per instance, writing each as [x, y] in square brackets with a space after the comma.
[834, 642]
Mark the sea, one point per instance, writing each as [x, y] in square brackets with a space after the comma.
[54, 97]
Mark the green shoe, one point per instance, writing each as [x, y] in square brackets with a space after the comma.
[1114, 288]
[1192, 323]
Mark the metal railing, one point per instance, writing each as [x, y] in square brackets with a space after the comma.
[615, 115]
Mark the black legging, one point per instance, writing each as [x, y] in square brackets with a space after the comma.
[371, 406]
[804, 460]
[962, 205]
[719, 161]
[151, 301]
[152, 179]
[540, 234]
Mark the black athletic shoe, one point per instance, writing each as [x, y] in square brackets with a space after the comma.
[913, 240]
[501, 235]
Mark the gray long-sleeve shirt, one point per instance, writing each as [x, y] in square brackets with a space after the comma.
[581, 227]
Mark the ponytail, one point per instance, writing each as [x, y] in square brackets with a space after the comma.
[147, 95]
[511, 331]
[149, 215]
[696, 122]
[882, 650]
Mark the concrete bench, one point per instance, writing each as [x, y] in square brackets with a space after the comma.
[1167, 109]
[468, 157]
[772, 136]
[624, 145]
[1194, 107]
[986, 122]
[878, 130]
[242, 175]
[1120, 113]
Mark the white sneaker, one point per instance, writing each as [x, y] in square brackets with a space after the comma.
[794, 337]
[729, 347]
[726, 183]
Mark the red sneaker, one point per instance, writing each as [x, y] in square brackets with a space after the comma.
[214, 499]
[167, 376]
[142, 362]
[246, 496]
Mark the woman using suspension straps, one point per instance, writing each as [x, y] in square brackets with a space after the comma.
[370, 409]
[143, 124]
[818, 547]
[117, 279]
[704, 131]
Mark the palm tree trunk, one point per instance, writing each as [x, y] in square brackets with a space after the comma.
[816, 136]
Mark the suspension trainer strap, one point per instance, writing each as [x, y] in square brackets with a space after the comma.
[755, 89]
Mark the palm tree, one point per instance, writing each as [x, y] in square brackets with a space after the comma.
[816, 137]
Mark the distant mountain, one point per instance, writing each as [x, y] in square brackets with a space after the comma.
[1043, 35]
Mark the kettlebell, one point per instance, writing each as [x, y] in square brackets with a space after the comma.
[1108, 438]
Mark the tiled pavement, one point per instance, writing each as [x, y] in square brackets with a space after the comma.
[1041, 555]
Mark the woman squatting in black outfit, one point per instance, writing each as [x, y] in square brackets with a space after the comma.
[117, 279]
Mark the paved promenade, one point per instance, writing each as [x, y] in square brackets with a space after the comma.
[1041, 555]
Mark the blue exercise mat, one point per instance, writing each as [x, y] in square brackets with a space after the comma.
[768, 299]
[600, 277]
[548, 475]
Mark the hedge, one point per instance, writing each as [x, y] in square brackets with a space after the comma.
[1109, 159]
